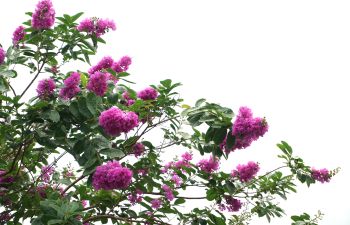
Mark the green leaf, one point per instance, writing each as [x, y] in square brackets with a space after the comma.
[179, 201]
[219, 135]
[76, 16]
[199, 102]
[52, 115]
[55, 221]
[9, 73]
[211, 194]
[230, 140]
[112, 153]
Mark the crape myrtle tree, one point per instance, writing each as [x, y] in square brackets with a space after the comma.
[106, 126]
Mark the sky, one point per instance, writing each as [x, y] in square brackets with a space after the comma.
[286, 60]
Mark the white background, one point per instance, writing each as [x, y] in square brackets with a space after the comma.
[287, 60]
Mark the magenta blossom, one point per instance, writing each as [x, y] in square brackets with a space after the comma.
[177, 180]
[209, 165]
[5, 179]
[46, 88]
[148, 94]
[115, 121]
[129, 101]
[231, 204]
[96, 26]
[156, 203]
[18, 35]
[321, 175]
[246, 172]
[168, 192]
[44, 15]
[135, 197]
[111, 176]
[138, 149]
[2, 55]
[122, 65]
[105, 63]
[71, 86]
[98, 83]
[46, 172]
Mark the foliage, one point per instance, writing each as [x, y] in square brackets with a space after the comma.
[36, 134]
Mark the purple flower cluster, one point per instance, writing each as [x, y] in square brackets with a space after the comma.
[168, 192]
[321, 175]
[138, 149]
[115, 121]
[209, 165]
[46, 172]
[111, 176]
[156, 203]
[135, 197]
[105, 63]
[246, 172]
[46, 88]
[44, 15]
[246, 129]
[122, 65]
[148, 94]
[98, 83]
[177, 180]
[184, 162]
[5, 179]
[18, 35]
[96, 26]
[71, 86]
[2, 55]
[231, 204]
[128, 101]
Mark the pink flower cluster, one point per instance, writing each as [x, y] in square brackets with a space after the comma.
[209, 165]
[115, 121]
[18, 35]
[111, 176]
[122, 65]
[156, 203]
[168, 192]
[135, 197]
[138, 149]
[231, 204]
[105, 63]
[128, 101]
[71, 86]
[44, 15]
[148, 94]
[246, 172]
[246, 129]
[184, 162]
[2, 55]
[46, 88]
[5, 179]
[46, 172]
[177, 180]
[98, 83]
[321, 175]
[96, 26]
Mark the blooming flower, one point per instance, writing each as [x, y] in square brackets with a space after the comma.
[209, 165]
[111, 176]
[105, 63]
[96, 26]
[98, 83]
[46, 172]
[138, 149]
[135, 197]
[321, 175]
[246, 129]
[71, 86]
[18, 35]
[168, 192]
[129, 101]
[177, 180]
[115, 121]
[122, 65]
[5, 179]
[2, 55]
[46, 88]
[148, 94]
[156, 203]
[246, 172]
[186, 156]
[44, 15]
[231, 204]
